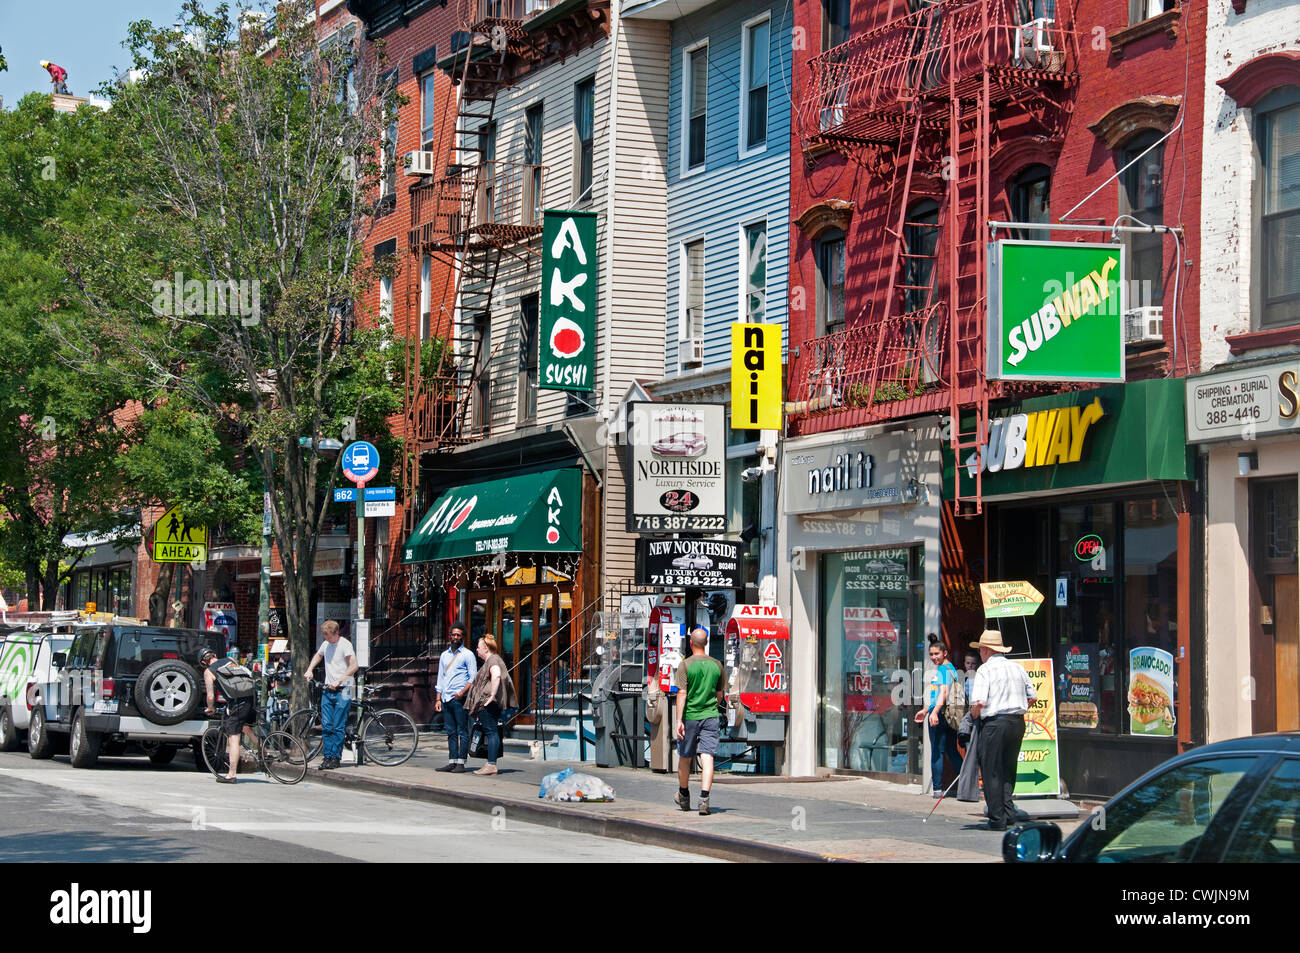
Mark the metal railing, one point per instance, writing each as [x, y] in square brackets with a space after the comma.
[494, 200]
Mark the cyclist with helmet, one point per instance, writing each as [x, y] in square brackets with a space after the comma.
[240, 690]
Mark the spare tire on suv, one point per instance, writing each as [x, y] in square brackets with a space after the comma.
[168, 691]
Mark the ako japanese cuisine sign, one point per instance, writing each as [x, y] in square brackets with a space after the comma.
[1003, 600]
[756, 397]
[678, 468]
[690, 563]
[1151, 692]
[1056, 311]
[567, 348]
[1038, 768]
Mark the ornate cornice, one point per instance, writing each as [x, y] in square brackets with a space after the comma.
[1022, 152]
[823, 216]
[1251, 81]
[1136, 115]
[1166, 22]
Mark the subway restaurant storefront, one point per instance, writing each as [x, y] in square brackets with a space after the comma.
[1089, 496]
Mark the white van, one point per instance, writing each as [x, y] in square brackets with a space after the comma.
[26, 662]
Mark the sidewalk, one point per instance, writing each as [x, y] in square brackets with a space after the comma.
[754, 819]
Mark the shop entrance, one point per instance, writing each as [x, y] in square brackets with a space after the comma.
[1275, 606]
[532, 626]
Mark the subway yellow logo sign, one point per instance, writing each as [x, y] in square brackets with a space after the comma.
[1040, 439]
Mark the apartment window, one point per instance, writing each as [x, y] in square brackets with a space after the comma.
[835, 23]
[487, 144]
[426, 296]
[1141, 195]
[753, 103]
[830, 283]
[693, 291]
[528, 325]
[533, 157]
[428, 111]
[388, 184]
[1277, 268]
[754, 271]
[386, 298]
[1139, 10]
[1029, 196]
[696, 104]
[481, 405]
[584, 118]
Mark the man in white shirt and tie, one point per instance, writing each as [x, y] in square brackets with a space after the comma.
[1000, 694]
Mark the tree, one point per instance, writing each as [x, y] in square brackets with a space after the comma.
[252, 190]
[58, 472]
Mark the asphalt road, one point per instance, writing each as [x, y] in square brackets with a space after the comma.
[127, 809]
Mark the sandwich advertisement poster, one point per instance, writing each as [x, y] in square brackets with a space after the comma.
[1038, 768]
[1151, 692]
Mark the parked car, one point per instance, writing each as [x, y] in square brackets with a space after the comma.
[123, 683]
[27, 659]
[681, 445]
[690, 561]
[1231, 802]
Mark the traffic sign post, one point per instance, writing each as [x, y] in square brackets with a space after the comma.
[361, 465]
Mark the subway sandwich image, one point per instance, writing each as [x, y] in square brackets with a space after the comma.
[1077, 714]
[1148, 701]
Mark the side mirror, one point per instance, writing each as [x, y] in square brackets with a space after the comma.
[1031, 843]
[60, 659]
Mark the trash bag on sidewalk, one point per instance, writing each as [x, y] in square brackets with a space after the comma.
[580, 787]
[552, 779]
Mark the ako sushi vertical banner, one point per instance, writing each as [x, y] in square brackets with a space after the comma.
[567, 344]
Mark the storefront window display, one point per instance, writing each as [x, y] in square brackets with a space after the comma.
[871, 641]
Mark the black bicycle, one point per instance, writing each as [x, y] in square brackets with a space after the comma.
[278, 753]
[386, 736]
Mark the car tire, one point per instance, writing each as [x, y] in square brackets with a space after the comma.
[40, 743]
[9, 740]
[84, 744]
[167, 691]
[162, 754]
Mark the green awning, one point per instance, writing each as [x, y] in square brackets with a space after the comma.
[531, 513]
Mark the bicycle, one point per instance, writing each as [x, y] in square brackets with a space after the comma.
[387, 736]
[278, 753]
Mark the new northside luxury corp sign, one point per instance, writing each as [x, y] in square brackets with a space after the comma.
[1056, 312]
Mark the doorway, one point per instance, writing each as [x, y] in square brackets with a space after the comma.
[1275, 605]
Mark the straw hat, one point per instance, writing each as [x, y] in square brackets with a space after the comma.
[991, 639]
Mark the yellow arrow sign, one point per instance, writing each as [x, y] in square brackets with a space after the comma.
[175, 541]
[1007, 599]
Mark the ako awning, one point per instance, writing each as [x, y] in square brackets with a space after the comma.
[531, 513]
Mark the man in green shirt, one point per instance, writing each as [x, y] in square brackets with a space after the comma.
[701, 683]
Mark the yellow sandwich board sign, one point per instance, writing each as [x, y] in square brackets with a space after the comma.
[175, 541]
[1009, 599]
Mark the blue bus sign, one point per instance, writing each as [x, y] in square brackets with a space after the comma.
[360, 462]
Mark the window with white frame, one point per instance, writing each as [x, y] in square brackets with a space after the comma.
[695, 103]
[830, 283]
[386, 298]
[1139, 10]
[428, 111]
[692, 321]
[1277, 207]
[753, 97]
[426, 296]
[388, 181]
[533, 158]
[753, 271]
[584, 120]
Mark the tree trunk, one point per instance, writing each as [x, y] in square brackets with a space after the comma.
[161, 594]
[297, 611]
[33, 585]
[50, 586]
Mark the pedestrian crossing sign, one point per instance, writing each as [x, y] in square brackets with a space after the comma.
[176, 541]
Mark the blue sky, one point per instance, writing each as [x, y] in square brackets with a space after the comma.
[83, 36]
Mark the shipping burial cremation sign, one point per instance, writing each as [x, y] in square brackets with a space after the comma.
[1056, 311]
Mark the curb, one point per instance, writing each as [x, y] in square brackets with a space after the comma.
[621, 828]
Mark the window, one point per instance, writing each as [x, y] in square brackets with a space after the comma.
[692, 323]
[388, 184]
[830, 283]
[753, 101]
[428, 107]
[487, 145]
[1139, 10]
[920, 239]
[481, 408]
[584, 119]
[835, 23]
[696, 103]
[753, 271]
[386, 299]
[1278, 205]
[426, 296]
[1141, 195]
[1029, 196]
[528, 326]
[1267, 833]
[533, 157]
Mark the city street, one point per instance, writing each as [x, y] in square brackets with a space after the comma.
[129, 810]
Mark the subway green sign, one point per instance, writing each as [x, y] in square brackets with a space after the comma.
[1056, 311]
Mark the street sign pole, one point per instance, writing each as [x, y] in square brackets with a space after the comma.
[264, 582]
[361, 551]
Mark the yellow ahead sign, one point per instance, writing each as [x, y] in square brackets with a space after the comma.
[756, 376]
[175, 541]
[1009, 599]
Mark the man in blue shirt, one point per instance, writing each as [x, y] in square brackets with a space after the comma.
[456, 669]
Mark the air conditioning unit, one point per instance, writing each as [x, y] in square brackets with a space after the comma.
[1144, 326]
[418, 163]
[1033, 39]
[694, 351]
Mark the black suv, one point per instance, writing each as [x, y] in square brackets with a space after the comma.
[122, 683]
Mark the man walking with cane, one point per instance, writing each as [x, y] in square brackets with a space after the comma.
[1000, 695]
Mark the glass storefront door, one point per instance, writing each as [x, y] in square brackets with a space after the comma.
[870, 642]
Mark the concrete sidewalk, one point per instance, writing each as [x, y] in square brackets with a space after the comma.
[755, 819]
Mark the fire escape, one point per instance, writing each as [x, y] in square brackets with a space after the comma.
[921, 103]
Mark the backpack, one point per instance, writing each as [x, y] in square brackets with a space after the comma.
[956, 707]
[236, 681]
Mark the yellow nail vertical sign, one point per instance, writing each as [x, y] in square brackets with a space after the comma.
[755, 376]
